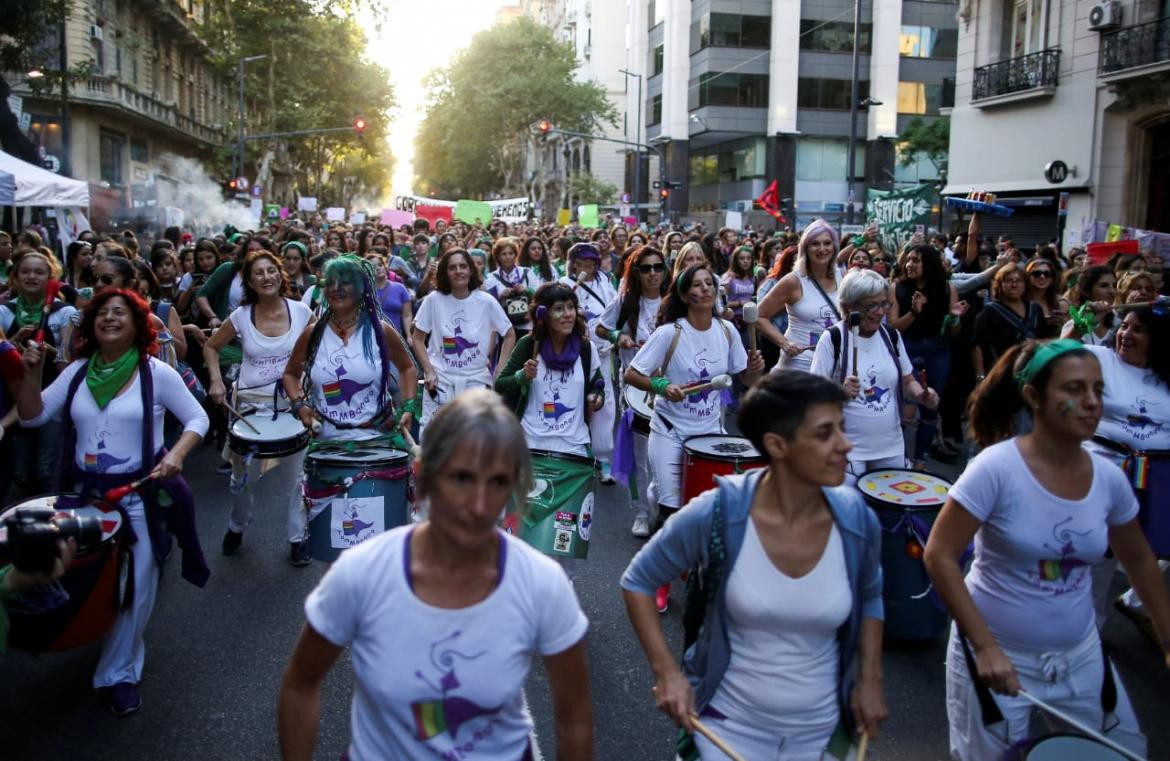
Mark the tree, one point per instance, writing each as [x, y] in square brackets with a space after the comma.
[584, 188]
[479, 130]
[929, 138]
[30, 36]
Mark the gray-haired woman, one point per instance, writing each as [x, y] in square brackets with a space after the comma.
[873, 366]
[442, 618]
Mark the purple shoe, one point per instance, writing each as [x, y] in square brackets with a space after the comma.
[124, 698]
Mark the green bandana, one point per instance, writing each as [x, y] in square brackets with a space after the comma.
[1044, 355]
[26, 313]
[104, 380]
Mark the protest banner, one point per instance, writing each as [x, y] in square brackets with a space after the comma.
[898, 213]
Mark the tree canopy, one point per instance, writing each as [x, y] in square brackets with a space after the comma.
[929, 138]
[479, 127]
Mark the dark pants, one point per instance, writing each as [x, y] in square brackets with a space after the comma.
[935, 354]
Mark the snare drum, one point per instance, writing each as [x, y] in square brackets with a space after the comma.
[278, 435]
[354, 496]
[559, 516]
[639, 401]
[711, 455]
[1066, 747]
[907, 503]
[93, 585]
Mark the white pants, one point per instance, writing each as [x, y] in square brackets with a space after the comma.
[602, 421]
[273, 488]
[643, 502]
[665, 452]
[447, 388]
[123, 649]
[858, 468]
[759, 744]
[1069, 680]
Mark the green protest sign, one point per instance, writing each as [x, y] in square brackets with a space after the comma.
[587, 215]
[898, 213]
[473, 212]
[272, 211]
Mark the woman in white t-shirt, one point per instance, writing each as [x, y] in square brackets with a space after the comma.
[267, 324]
[442, 618]
[1041, 509]
[455, 333]
[880, 375]
[511, 284]
[628, 322]
[695, 347]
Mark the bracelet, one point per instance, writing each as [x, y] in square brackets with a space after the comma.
[410, 405]
[615, 336]
[948, 322]
[659, 384]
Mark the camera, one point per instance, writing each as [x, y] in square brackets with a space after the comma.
[32, 533]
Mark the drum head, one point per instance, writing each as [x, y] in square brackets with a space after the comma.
[364, 457]
[285, 426]
[907, 489]
[720, 447]
[1071, 748]
[639, 401]
[70, 504]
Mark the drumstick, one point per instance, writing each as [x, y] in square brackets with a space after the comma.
[855, 331]
[242, 419]
[118, 492]
[1079, 725]
[1161, 301]
[719, 382]
[751, 313]
[415, 449]
[715, 739]
[862, 745]
[52, 288]
[581, 278]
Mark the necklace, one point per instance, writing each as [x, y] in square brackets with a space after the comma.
[343, 330]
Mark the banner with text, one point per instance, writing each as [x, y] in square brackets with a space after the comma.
[899, 213]
[505, 209]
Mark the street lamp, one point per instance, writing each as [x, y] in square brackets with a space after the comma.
[35, 74]
[637, 150]
[240, 134]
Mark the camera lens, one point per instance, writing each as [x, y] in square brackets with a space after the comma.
[87, 530]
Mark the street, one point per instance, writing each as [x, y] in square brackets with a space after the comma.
[215, 657]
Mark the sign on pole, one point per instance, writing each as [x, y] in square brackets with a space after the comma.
[899, 213]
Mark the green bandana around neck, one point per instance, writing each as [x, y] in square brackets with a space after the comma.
[106, 379]
[27, 313]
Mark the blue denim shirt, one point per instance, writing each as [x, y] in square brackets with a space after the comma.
[682, 543]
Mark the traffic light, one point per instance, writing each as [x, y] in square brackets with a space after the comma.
[664, 194]
[359, 126]
[544, 126]
[230, 187]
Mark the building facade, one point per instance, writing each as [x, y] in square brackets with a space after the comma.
[150, 95]
[1064, 106]
[743, 92]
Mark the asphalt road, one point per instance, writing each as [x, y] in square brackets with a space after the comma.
[215, 656]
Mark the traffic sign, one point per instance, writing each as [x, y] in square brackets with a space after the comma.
[241, 183]
[257, 191]
[1056, 172]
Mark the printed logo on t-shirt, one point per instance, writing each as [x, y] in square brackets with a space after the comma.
[1067, 572]
[348, 399]
[447, 713]
[96, 459]
[700, 404]
[554, 412]
[458, 351]
[1139, 424]
[873, 396]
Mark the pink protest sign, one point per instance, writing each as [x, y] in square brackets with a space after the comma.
[396, 217]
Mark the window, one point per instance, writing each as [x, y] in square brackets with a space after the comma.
[704, 169]
[658, 61]
[921, 169]
[731, 89]
[138, 150]
[656, 12]
[833, 36]
[919, 98]
[110, 149]
[729, 30]
[654, 116]
[825, 159]
[828, 94]
[928, 42]
[740, 160]
[1024, 24]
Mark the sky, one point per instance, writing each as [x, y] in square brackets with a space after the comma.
[418, 37]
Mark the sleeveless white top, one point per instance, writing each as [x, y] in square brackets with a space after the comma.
[345, 386]
[812, 313]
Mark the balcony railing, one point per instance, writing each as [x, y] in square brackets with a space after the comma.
[1134, 46]
[1029, 72]
[111, 91]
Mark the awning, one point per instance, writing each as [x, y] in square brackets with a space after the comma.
[25, 184]
[1038, 186]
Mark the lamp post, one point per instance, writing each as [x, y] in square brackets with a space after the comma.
[854, 103]
[240, 135]
[638, 149]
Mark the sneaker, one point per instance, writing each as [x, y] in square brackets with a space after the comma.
[1138, 619]
[641, 527]
[231, 542]
[662, 597]
[224, 469]
[606, 476]
[124, 699]
[299, 554]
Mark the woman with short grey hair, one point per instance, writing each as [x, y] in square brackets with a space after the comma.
[872, 364]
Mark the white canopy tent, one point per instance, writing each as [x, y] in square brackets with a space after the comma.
[25, 184]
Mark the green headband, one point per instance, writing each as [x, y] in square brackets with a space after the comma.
[304, 249]
[1044, 355]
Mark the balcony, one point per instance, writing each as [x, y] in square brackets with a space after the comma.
[1135, 50]
[1030, 76]
[111, 92]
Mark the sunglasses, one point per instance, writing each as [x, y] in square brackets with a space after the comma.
[646, 269]
[1041, 273]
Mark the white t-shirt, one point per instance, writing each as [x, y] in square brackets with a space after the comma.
[783, 637]
[345, 386]
[236, 292]
[1136, 404]
[58, 319]
[434, 682]
[460, 331]
[593, 304]
[497, 282]
[647, 318]
[872, 420]
[554, 419]
[699, 357]
[110, 440]
[266, 356]
[1031, 578]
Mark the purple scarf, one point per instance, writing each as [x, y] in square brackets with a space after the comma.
[564, 361]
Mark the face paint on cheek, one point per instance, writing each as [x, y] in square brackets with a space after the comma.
[1065, 407]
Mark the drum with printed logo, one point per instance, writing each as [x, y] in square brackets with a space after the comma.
[353, 495]
[907, 502]
[558, 519]
[639, 401]
[711, 455]
[81, 606]
[1069, 747]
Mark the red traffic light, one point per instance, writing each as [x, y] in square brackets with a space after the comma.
[664, 194]
[359, 124]
[544, 126]
[232, 184]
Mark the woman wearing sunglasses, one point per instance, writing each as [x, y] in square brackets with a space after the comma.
[1043, 290]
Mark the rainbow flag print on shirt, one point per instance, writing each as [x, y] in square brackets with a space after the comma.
[332, 390]
[90, 461]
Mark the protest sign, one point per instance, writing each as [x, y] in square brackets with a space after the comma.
[899, 213]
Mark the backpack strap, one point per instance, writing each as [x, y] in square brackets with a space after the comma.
[670, 351]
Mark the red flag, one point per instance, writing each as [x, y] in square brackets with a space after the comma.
[769, 200]
[433, 212]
